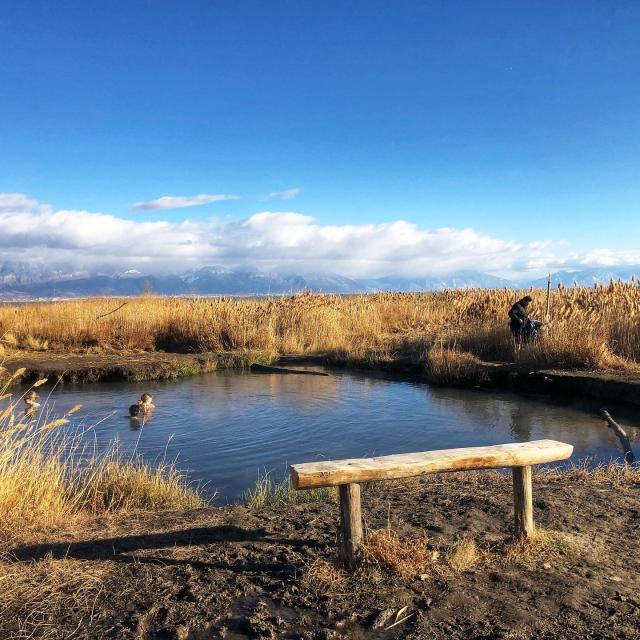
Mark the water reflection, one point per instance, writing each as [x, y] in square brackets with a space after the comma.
[532, 418]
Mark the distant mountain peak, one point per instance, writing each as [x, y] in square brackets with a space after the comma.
[130, 273]
[588, 277]
[28, 280]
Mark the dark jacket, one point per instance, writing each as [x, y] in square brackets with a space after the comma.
[518, 316]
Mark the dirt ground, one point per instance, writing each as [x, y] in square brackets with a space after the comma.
[238, 574]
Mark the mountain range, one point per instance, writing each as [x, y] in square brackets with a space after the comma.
[25, 281]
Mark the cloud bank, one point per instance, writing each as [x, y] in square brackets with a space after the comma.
[179, 202]
[272, 240]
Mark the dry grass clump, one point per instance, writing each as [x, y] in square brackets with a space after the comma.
[568, 346]
[118, 483]
[542, 545]
[612, 473]
[454, 368]
[322, 576]
[410, 557]
[464, 555]
[402, 557]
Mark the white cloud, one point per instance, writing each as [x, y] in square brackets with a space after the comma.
[287, 194]
[179, 202]
[272, 240]
[16, 202]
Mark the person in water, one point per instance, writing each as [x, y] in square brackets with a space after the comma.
[143, 407]
[31, 400]
[522, 327]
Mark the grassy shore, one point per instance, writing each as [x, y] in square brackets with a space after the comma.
[49, 477]
[445, 333]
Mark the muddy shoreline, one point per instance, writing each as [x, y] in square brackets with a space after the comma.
[598, 385]
[128, 366]
[605, 386]
[239, 574]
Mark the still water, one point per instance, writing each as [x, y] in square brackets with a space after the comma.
[226, 428]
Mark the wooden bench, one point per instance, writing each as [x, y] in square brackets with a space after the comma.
[347, 474]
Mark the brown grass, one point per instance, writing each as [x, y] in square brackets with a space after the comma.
[612, 473]
[403, 557]
[35, 598]
[543, 545]
[410, 557]
[464, 555]
[445, 331]
[322, 576]
[454, 368]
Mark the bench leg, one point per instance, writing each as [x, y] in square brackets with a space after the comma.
[522, 501]
[350, 523]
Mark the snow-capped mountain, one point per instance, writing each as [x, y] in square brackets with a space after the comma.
[589, 277]
[14, 273]
[456, 280]
[23, 281]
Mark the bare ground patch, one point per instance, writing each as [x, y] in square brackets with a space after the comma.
[272, 572]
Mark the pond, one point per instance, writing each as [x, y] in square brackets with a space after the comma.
[226, 428]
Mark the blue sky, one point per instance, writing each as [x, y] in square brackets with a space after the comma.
[519, 120]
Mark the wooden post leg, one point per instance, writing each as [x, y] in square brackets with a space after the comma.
[350, 523]
[522, 501]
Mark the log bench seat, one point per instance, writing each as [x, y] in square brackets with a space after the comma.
[348, 474]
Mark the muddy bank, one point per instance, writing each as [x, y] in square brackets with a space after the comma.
[615, 387]
[89, 367]
[234, 573]
[604, 386]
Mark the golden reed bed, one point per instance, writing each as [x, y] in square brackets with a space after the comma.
[595, 327]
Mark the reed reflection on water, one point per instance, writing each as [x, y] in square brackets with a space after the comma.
[226, 427]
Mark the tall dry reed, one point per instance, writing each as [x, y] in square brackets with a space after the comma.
[587, 327]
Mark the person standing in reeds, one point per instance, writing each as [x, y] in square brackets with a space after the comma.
[519, 319]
